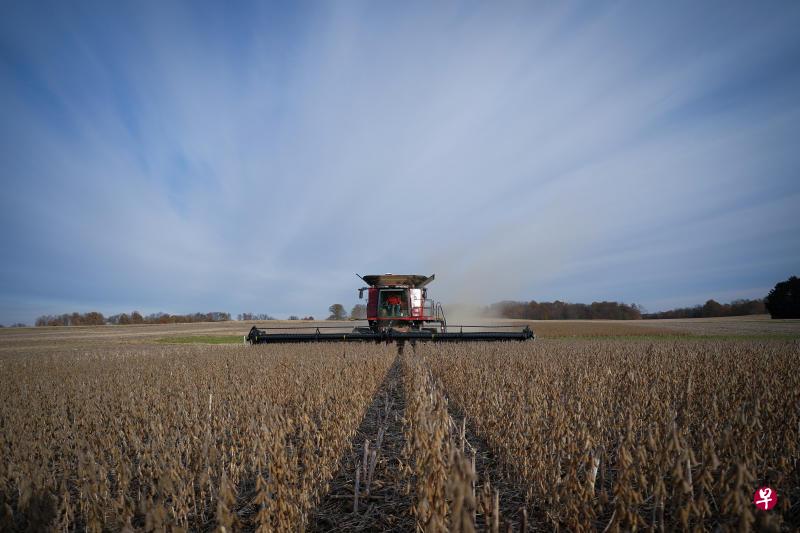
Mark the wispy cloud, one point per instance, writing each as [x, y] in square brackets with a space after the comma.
[187, 156]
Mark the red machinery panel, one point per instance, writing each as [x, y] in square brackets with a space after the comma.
[372, 303]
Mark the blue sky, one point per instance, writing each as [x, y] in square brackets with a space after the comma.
[181, 157]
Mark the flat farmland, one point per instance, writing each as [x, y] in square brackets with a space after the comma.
[232, 332]
[596, 425]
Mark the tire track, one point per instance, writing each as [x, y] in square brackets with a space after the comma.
[374, 468]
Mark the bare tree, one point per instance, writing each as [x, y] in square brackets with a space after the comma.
[337, 312]
[359, 312]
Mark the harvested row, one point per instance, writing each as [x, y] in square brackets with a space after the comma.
[441, 462]
[183, 436]
[625, 435]
[371, 491]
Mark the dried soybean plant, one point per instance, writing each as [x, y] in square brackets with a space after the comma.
[441, 463]
[621, 435]
[194, 438]
[599, 434]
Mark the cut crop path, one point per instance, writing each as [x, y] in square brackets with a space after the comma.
[370, 491]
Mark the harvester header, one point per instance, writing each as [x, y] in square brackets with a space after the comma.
[398, 310]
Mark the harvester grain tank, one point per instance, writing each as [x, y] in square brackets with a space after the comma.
[398, 310]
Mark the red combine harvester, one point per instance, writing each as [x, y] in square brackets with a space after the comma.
[401, 302]
[398, 310]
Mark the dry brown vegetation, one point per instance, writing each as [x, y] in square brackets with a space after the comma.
[626, 435]
[227, 437]
[570, 433]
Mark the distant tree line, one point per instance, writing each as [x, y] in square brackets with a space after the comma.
[713, 308]
[166, 318]
[125, 318]
[93, 318]
[558, 310]
[264, 316]
[253, 316]
[782, 302]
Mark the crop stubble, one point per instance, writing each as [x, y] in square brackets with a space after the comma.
[198, 439]
[582, 434]
[623, 435]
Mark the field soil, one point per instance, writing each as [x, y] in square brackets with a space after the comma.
[233, 332]
[384, 497]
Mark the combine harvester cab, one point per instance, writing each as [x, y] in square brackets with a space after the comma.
[398, 310]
